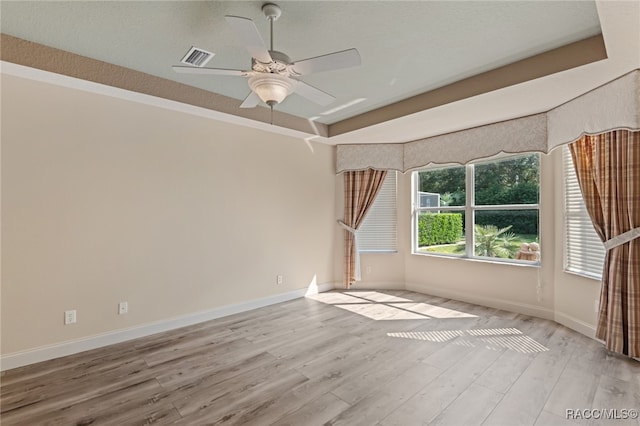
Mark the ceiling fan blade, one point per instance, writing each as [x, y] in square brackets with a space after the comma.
[251, 101]
[247, 32]
[206, 71]
[332, 61]
[315, 95]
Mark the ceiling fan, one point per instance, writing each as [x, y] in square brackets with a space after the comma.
[273, 76]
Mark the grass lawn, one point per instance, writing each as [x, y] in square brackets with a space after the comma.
[458, 248]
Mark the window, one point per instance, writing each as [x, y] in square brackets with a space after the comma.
[482, 210]
[378, 231]
[584, 251]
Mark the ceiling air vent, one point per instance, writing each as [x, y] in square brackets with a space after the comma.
[197, 57]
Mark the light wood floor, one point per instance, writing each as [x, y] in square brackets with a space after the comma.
[346, 358]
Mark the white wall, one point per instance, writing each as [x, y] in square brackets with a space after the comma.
[106, 200]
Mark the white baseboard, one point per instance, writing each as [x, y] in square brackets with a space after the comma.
[575, 324]
[378, 285]
[507, 305]
[44, 353]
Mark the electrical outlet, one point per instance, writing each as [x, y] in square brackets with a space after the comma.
[69, 317]
[123, 308]
[279, 279]
[596, 305]
[368, 269]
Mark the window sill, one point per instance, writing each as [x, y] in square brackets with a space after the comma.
[584, 275]
[511, 262]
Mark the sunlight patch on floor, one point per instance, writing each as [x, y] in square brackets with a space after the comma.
[334, 298]
[380, 306]
[524, 344]
[381, 312]
[508, 338]
[432, 310]
[375, 296]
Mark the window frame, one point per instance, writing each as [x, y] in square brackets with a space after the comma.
[469, 210]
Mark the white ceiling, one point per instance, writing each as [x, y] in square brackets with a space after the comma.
[407, 48]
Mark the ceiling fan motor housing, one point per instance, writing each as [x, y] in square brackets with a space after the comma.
[279, 64]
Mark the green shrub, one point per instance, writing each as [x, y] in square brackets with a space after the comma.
[520, 221]
[439, 228]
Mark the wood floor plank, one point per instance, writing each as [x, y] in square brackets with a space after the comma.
[322, 410]
[337, 346]
[501, 375]
[377, 405]
[271, 410]
[427, 404]
[526, 399]
[140, 403]
[360, 385]
[549, 419]
[46, 399]
[625, 369]
[615, 394]
[471, 408]
[340, 362]
[324, 339]
[398, 358]
[201, 376]
[574, 388]
[240, 404]
[39, 397]
[202, 397]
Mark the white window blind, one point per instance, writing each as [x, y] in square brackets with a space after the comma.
[584, 252]
[378, 231]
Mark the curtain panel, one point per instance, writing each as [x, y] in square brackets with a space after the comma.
[360, 191]
[608, 171]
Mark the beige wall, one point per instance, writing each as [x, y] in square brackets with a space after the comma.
[106, 200]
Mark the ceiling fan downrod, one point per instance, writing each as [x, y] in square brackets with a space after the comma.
[272, 12]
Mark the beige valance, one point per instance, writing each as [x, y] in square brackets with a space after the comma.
[386, 156]
[615, 105]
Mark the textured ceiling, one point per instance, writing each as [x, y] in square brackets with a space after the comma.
[407, 48]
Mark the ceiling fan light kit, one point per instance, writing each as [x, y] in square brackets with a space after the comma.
[271, 88]
[272, 74]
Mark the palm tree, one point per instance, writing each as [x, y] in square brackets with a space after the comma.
[493, 242]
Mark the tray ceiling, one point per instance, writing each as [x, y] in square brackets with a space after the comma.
[407, 48]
